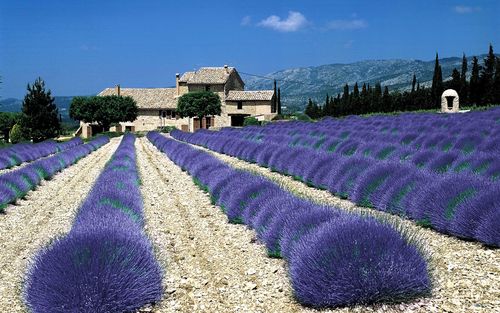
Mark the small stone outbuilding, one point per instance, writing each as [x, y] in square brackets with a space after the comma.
[450, 101]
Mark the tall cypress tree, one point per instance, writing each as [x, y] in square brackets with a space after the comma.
[386, 100]
[345, 108]
[437, 83]
[309, 111]
[463, 92]
[377, 98]
[486, 78]
[474, 91]
[455, 80]
[279, 101]
[355, 104]
[496, 83]
[413, 83]
[39, 120]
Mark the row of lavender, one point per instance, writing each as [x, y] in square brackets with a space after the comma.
[480, 163]
[106, 262]
[335, 258]
[23, 152]
[472, 150]
[455, 203]
[414, 130]
[17, 183]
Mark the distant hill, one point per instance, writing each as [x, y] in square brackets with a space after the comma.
[14, 105]
[300, 84]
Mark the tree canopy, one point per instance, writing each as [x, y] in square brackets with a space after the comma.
[7, 121]
[40, 117]
[199, 104]
[104, 111]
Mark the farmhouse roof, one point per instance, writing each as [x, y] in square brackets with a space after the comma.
[259, 95]
[186, 77]
[148, 98]
[210, 75]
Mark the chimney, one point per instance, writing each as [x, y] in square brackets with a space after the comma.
[226, 68]
[177, 76]
[117, 89]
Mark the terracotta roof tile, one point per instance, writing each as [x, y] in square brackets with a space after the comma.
[148, 98]
[186, 77]
[210, 75]
[259, 95]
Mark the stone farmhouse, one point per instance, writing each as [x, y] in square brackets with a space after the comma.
[157, 106]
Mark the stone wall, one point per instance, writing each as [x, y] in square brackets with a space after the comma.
[249, 107]
[233, 83]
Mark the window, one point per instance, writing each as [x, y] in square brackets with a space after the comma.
[207, 88]
[240, 105]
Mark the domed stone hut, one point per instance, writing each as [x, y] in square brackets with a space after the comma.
[449, 101]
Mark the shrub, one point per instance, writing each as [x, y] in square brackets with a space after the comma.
[103, 271]
[166, 129]
[105, 263]
[344, 263]
[16, 135]
[250, 121]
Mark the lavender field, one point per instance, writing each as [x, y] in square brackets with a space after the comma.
[362, 214]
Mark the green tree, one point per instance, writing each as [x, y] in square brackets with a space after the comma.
[250, 121]
[386, 100]
[413, 83]
[279, 101]
[377, 98]
[39, 120]
[355, 103]
[455, 80]
[345, 104]
[103, 110]
[496, 83]
[463, 92]
[487, 76]
[313, 110]
[199, 104]
[437, 82]
[7, 121]
[475, 92]
[16, 134]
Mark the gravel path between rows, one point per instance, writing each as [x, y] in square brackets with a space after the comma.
[211, 265]
[44, 214]
[467, 274]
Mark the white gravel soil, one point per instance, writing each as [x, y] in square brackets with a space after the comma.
[45, 213]
[210, 265]
[466, 274]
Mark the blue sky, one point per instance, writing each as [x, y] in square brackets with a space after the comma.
[80, 47]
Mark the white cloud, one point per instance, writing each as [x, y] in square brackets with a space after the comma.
[245, 21]
[292, 23]
[347, 24]
[462, 9]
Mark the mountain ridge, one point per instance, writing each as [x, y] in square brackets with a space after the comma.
[301, 83]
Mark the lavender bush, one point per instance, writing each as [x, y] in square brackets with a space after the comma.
[106, 262]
